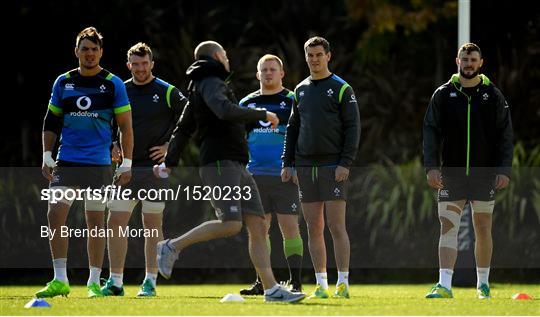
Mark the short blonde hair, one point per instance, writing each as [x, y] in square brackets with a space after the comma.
[269, 57]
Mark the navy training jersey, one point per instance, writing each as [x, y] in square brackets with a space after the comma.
[88, 105]
[266, 144]
[155, 108]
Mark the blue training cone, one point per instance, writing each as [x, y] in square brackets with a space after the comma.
[37, 302]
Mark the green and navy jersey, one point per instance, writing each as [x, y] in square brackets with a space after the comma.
[155, 108]
[88, 105]
[265, 143]
[324, 127]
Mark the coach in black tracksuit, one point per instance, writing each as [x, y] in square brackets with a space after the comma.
[468, 122]
[214, 113]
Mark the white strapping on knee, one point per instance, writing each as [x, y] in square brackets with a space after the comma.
[485, 207]
[153, 207]
[63, 189]
[122, 205]
[94, 205]
[449, 211]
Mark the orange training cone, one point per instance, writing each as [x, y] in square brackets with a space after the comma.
[521, 296]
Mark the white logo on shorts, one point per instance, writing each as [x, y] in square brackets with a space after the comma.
[293, 206]
[219, 213]
[234, 209]
[444, 193]
[491, 193]
[337, 192]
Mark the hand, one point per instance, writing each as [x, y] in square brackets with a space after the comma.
[48, 165]
[286, 174]
[46, 171]
[342, 173]
[434, 179]
[123, 172]
[122, 178]
[272, 118]
[161, 171]
[501, 181]
[116, 153]
[158, 153]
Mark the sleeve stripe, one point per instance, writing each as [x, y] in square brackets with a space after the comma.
[55, 109]
[109, 77]
[122, 109]
[342, 91]
[168, 95]
[291, 95]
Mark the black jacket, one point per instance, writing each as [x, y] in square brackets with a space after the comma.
[213, 112]
[324, 127]
[473, 131]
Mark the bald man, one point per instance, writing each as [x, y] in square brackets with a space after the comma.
[220, 123]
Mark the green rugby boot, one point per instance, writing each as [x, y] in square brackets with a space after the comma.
[94, 290]
[439, 291]
[342, 291]
[483, 291]
[109, 289]
[53, 288]
[147, 289]
[319, 293]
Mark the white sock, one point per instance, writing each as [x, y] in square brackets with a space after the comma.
[117, 278]
[271, 290]
[152, 277]
[342, 277]
[482, 275]
[445, 277]
[95, 273]
[322, 279]
[60, 272]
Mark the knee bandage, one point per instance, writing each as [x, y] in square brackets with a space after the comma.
[153, 207]
[451, 212]
[485, 207]
[122, 205]
[62, 194]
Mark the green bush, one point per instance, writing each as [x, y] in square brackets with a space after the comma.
[395, 198]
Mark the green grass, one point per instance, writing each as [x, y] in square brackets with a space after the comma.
[204, 300]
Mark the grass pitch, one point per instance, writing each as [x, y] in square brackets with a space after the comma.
[372, 299]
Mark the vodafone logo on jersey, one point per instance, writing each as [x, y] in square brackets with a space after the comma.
[265, 127]
[84, 102]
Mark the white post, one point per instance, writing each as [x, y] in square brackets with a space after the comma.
[464, 22]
